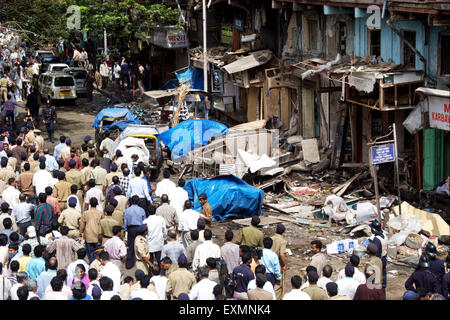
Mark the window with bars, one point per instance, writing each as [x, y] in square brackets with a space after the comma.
[445, 55]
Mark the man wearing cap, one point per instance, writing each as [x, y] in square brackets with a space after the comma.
[49, 119]
[65, 152]
[180, 280]
[251, 235]
[106, 225]
[107, 147]
[206, 212]
[70, 217]
[30, 138]
[422, 277]
[98, 174]
[279, 247]
[74, 177]
[141, 250]
[61, 145]
[61, 190]
[73, 157]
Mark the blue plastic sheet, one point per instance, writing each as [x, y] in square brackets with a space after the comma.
[129, 118]
[228, 196]
[191, 134]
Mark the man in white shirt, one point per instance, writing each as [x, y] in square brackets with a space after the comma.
[56, 293]
[143, 293]
[110, 270]
[22, 277]
[347, 286]
[187, 222]
[107, 284]
[267, 285]
[116, 71]
[159, 281]
[327, 271]
[165, 186]
[107, 146]
[94, 192]
[157, 234]
[42, 179]
[179, 197]
[11, 194]
[205, 250]
[104, 72]
[138, 186]
[203, 290]
[358, 275]
[296, 293]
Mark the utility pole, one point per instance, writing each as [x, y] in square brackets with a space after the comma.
[205, 59]
[105, 43]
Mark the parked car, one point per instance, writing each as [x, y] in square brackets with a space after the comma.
[56, 86]
[46, 61]
[39, 54]
[57, 67]
[83, 81]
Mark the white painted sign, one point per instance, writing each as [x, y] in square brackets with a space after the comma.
[439, 111]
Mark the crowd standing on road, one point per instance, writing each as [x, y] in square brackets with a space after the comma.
[83, 223]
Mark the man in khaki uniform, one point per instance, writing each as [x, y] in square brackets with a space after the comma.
[89, 227]
[61, 190]
[122, 202]
[4, 88]
[180, 280]
[30, 138]
[279, 247]
[5, 172]
[106, 225]
[84, 154]
[251, 236]
[141, 250]
[117, 214]
[85, 171]
[25, 180]
[109, 177]
[38, 140]
[65, 152]
[73, 176]
[206, 212]
[70, 218]
[314, 292]
[98, 174]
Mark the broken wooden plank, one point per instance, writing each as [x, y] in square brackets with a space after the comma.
[276, 208]
[339, 190]
[286, 220]
[264, 221]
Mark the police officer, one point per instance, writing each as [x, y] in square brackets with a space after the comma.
[49, 119]
[380, 240]
[437, 266]
[422, 278]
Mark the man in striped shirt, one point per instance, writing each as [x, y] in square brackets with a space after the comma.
[65, 248]
[44, 216]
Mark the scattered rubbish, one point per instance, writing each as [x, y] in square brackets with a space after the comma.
[336, 208]
[342, 246]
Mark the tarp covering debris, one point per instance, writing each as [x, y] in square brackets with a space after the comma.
[190, 134]
[228, 196]
[123, 115]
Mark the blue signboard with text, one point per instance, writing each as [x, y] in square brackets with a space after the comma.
[382, 154]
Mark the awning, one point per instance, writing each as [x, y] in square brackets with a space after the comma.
[438, 102]
[253, 60]
[157, 94]
[433, 92]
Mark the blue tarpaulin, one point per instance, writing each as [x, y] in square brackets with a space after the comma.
[191, 134]
[124, 114]
[228, 196]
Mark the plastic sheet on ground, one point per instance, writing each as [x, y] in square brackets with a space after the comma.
[247, 160]
[190, 134]
[406, 224]
[130, 146]
[125, 115]
[431, 222]
[228, 196]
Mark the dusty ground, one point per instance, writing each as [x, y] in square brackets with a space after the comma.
[76, 122]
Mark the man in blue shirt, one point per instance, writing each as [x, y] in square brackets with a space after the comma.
[36, 265]
[243, 275]
[270, 260]
[45, 277]
[132, 219]
[50, 161]
[59, 147]
[138, 187]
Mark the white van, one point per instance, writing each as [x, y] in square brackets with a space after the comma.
[54, 86]
[58, 67]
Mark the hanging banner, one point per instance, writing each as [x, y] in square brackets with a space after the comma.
[168, 37]
[439, 111]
